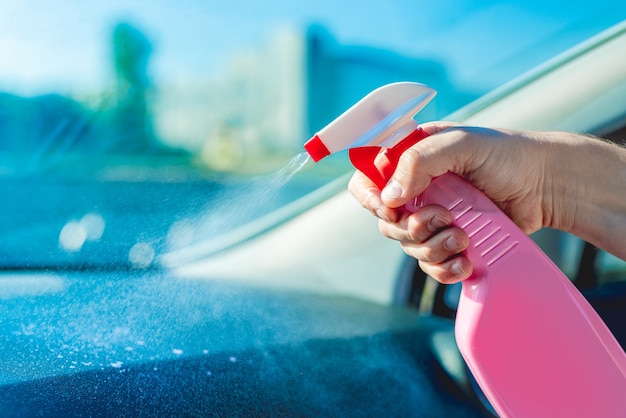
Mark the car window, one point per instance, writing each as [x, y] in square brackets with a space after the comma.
[610, 268]
[131, 129]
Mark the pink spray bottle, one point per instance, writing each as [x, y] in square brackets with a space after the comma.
[532, 341]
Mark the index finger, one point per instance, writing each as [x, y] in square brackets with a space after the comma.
[368, 195]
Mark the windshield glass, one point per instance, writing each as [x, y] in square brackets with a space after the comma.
[129, 129]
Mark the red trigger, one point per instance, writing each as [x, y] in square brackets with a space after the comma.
[363, 158]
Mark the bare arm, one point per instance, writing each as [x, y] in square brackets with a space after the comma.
[598, 169]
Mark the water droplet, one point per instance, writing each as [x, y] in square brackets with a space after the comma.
[141, 254]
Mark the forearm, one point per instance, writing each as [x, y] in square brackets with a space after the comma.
[597, 184]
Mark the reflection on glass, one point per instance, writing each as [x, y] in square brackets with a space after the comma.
[74, 234]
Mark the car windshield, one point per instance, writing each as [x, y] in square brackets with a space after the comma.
[132, 129]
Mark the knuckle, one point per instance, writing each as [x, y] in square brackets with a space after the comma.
[417, 229]
[428, 254]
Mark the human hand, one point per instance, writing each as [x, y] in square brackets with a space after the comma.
[507, 166]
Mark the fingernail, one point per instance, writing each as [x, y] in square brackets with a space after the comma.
[392, 190]
[381, 215]
[457, 268]
[451, 244]
[436, 223]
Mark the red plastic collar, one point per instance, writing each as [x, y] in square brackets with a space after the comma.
[316, 148]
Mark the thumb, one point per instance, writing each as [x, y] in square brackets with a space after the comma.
[418, 165]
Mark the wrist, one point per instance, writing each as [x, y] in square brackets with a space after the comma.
[589, 191]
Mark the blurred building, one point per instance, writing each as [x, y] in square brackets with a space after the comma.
[266, 103]
[252, 108]
[337, 76]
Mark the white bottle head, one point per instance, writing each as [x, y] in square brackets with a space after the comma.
[382, 118]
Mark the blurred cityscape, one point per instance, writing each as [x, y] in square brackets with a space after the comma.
[258, 111]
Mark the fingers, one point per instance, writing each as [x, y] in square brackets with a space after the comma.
[451, 271]
[439, 247]
[417, 227]
[427, 236]
[368, 195]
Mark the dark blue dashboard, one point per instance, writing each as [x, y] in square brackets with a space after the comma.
[148, 344]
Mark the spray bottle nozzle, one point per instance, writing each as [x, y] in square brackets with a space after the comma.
[316, 148]
[381, 120]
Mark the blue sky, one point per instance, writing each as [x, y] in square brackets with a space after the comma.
[56, 45]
